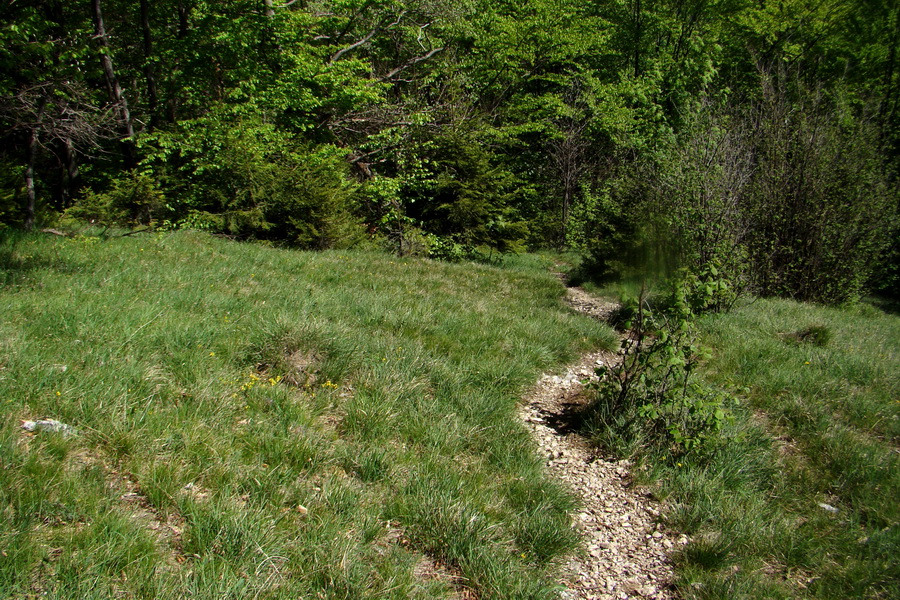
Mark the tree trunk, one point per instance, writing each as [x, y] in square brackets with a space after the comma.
[149, 74]
[71, 181]
[183, 24]
[33, 141]
[129, 152]
[638, 23]
[29, 178]
[888, 103]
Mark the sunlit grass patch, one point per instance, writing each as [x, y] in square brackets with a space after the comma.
[801, 499]
[283, 412]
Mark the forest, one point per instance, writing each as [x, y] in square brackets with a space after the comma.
[759, 139]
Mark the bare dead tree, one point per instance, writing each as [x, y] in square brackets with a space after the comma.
[54, 116]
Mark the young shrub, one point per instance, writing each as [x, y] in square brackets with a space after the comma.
[308, 203]
[653, 398]
[133, 198]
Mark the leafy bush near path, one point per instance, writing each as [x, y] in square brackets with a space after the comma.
[653, 398]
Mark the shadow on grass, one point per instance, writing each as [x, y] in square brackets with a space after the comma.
[890, 306]
[17, 265]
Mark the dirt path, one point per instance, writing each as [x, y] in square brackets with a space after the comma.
[625, 551]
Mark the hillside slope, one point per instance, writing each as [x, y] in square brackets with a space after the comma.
[258, 423]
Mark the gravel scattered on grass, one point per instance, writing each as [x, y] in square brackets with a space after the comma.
[626, 549]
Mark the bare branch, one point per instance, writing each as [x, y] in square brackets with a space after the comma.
[366, 38]
[410, 63]
[61, 110]
[353, 46]
[55, 232]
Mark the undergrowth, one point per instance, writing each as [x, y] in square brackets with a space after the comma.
[653, 398]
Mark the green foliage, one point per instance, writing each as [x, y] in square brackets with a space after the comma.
[387, 216]
[709, 290]
[247, 179]
[694, 188]
[691, 133]
[448, 197]
[468, 199]
[822, 205]
[613, 240]
[10, 190]
[133, 198]
[654, 398]
[787, 197]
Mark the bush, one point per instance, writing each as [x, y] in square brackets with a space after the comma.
[821, 208]
[133, 198]
[789, 197]
[653, 398]
[248, 180]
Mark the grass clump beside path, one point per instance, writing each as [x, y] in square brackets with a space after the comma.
[800, 500]
[259, 423]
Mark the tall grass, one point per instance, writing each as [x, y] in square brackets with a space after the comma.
[801, 501]
[261, 423]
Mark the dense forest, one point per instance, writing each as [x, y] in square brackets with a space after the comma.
[756, 139]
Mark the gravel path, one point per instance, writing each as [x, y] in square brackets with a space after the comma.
[625, 550]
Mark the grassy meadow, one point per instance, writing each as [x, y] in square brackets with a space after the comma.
[261, 423]
[802, 498]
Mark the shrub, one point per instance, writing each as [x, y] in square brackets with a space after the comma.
[653, 398]
[247, 179]
[821, 208]
[787, 196]
[133, 198]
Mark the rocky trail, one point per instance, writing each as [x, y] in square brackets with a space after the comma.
[625, 551]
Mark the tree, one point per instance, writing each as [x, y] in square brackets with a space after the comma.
[48, 112]
[116, 97]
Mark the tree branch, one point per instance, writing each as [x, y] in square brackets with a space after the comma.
[411, 62]
[366, 38]
[353, 46]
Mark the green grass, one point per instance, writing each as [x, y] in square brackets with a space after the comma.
[261, 423]
[818, 423]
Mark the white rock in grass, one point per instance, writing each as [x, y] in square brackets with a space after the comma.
[51, 425]
[829, 507]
